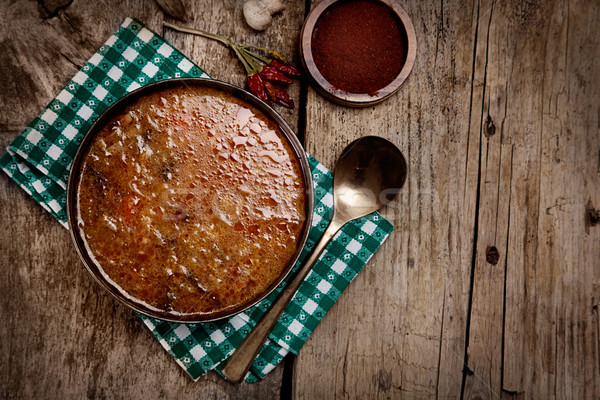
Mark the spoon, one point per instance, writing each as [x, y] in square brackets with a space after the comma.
[368, 175]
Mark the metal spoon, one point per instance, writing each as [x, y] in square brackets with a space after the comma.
[368, 175]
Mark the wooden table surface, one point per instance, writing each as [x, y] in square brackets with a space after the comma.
[499, 122]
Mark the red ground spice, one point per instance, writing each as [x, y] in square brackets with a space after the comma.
[359, 46]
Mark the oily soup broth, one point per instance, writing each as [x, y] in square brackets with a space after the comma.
[191, 201]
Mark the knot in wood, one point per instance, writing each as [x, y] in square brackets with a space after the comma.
[490, 128]
[594, 216]
[492, 255]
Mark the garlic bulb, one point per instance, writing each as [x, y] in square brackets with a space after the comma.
[258, 12]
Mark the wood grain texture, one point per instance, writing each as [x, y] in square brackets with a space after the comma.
[406, 312]
[537, 173]
[497, 132]
[499, 122]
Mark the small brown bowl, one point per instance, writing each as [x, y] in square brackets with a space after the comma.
[339, 96]
[75, 175]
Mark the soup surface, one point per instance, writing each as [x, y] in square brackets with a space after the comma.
[191, 201]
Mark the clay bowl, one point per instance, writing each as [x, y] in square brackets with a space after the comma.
[76, 167]
[339, 96]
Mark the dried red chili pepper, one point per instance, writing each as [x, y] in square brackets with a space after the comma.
[271, 74]
[283, 98]
[279, 95]
[270, 90]
[287, 69]
[257, 86]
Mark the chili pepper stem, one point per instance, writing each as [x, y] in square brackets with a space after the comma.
[255, 66]
[198, 32]
[258, 56]
[247, 67]
[277, 55]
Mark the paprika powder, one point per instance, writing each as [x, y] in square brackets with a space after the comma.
[359, 46]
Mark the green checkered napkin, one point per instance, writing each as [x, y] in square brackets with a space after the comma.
[39, 159]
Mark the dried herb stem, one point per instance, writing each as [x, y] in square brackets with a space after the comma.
[199, 32]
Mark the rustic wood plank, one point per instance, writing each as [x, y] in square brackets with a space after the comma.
[398, 331]
[521, 129]
[535, 181]
[554, 295]
[493, 175]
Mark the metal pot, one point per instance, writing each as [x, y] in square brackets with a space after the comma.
[118, 107]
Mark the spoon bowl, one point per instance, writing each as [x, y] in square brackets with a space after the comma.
[368, 175]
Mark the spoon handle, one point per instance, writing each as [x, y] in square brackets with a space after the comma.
[239, 363]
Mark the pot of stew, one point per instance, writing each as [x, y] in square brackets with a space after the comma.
[190, 200]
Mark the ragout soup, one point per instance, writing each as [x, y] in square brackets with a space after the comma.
[191, 201]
